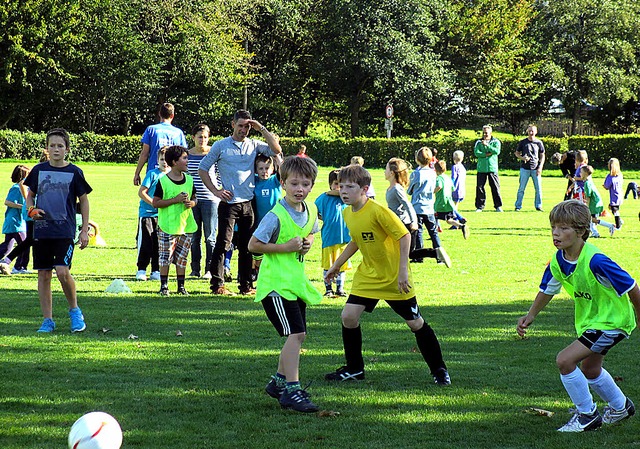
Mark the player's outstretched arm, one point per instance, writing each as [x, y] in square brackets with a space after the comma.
[349, 251]
[541, 301]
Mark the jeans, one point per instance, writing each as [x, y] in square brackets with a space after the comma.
[206, 215]
[525, 174]
[429, 222]
[229, 215]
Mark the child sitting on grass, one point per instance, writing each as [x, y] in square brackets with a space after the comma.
[284, 236]
[607, 303]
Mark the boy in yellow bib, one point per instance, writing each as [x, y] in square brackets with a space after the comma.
[284, 236]
[384, 242]
[607, 301]
[175, 197]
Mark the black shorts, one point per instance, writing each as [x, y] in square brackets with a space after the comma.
[49, 253]
[407, 308]
[601, 341]
[288, 317]
[445, 216]
[613, 208]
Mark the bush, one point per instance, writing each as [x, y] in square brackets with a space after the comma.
[600, 149]
[336, 152]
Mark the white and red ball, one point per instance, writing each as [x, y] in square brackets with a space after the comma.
[95, 430]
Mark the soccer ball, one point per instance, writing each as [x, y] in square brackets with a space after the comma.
[95, 430]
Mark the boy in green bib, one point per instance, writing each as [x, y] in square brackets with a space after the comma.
[607, 303]
[284, 236]
[175, 198]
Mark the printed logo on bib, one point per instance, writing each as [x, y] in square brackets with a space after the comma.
[585, 295]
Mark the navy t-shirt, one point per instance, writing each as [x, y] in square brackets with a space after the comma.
[57, 190]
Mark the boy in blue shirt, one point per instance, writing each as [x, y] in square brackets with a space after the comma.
[147, 238]
[14, 226]
[607, 302]
[55, 188]
[268, 190]
[334, 233]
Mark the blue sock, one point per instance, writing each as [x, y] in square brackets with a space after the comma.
[293, 386]
[280, 380]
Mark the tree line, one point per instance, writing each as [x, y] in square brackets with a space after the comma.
[104, 66]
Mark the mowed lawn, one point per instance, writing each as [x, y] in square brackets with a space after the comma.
[189, 372]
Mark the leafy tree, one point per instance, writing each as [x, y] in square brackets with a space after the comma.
[500, 71]
[594, 43]
[373, 51]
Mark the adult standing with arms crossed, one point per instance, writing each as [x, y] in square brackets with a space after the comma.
[530, 152]
[157, 136]
[235, 156]
[486, 151]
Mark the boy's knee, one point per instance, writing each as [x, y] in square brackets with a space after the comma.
[565, 364]
[298, 338]
[415, 325]
[350, 321]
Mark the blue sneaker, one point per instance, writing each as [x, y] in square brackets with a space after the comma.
[48, 326]
[77, 320]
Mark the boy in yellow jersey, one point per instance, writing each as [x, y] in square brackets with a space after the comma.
[175, 198]
[384, 273]
[607, 301]
[284, 236]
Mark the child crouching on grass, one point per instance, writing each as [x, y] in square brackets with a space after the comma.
[607, 302]
[284, 236]
[175, 197]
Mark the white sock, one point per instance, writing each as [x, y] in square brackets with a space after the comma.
[608, 390]
[577, 386]
[593, 228]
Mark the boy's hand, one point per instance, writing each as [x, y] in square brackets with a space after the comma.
[36, 214]
[403, 283]
[330, 274]
[181, 197]
[523, 324]
[306, 246]
[294, 245]
[83, 239]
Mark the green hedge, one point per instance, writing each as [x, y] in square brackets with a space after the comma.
[338, 152]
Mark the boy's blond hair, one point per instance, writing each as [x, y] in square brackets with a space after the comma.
[424, 156]
[458, 156]
[572, 213]
[302, 166]
[400, 170]
[614, 166]
[582, 156]
[355, 173]
[357, 160]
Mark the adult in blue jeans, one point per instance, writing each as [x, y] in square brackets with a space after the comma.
[206, 210]
[235, 157]
[530, 152]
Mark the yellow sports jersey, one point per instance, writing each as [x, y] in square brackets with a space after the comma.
[376, 230]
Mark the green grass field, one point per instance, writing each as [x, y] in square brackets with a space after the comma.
[204, 389]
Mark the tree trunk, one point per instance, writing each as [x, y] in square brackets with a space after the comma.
[575, 117]
[354, 109]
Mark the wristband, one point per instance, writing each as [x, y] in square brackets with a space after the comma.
[31, 212]
[262, 129]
